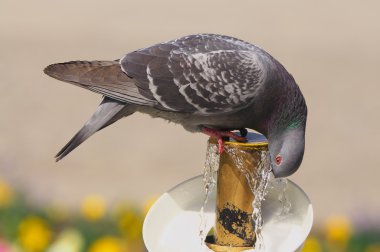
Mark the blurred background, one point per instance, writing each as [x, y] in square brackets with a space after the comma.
[330, 47]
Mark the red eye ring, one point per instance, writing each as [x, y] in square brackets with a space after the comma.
[278, 160]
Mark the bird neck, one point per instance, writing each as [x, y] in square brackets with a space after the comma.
[291, 110]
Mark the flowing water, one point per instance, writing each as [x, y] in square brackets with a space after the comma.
[209, 179]
[258, 179]
[286, 204]
[281, 184]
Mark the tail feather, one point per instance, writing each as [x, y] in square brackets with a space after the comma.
[81, 72]
[108, 112]
[104, 77]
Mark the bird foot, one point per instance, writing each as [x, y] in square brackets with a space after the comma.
[219, 135]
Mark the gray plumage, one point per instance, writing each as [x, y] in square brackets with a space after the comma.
[203, 80]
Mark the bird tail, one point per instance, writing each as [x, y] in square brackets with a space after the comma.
[108, 112]
[103, 77]
[84, 73]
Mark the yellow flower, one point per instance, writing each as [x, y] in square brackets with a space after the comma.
[93, 207]
[338, 230]
[5, 194]
[34, 234]
[107, 244]
[131, 225]
[312, 245]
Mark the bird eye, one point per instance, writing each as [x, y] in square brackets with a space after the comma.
[278, 160]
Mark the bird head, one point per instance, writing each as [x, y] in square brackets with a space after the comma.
[286, 151]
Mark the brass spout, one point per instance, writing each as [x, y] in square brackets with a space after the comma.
[234, 227]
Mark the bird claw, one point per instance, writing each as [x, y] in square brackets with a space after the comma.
[220, 134]
[220, 146]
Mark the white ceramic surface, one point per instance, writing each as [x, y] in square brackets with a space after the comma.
[173, 222]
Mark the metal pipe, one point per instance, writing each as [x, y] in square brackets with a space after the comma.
[234, 227]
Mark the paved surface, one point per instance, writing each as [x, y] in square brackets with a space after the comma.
[330, 48]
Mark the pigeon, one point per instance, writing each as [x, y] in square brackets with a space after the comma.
[207, 83]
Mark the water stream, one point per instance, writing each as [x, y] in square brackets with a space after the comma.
[209, 180]
[258, 179]
[281, 185]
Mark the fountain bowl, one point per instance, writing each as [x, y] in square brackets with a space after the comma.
[173, 222]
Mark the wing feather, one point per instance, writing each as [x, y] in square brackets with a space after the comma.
[205, 74]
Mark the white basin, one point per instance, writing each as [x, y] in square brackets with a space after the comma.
[173, 222]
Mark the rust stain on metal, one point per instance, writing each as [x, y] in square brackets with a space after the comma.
[236, 222]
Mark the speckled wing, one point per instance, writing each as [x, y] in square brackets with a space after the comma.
[204, 74]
